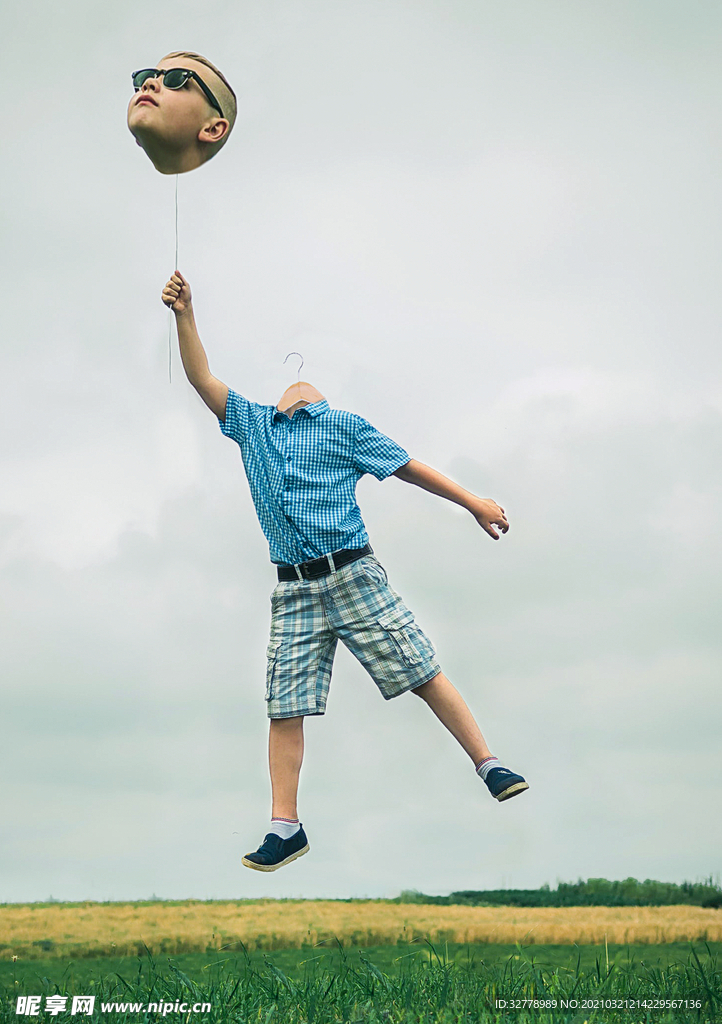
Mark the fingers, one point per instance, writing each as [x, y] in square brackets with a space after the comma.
[170, 293]
[177, 278]
[491, 515]
[501, 521]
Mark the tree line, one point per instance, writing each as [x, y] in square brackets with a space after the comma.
[594, 892]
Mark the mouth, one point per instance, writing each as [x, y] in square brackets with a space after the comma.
[145, 99]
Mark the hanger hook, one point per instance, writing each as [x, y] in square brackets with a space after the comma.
[299, 368]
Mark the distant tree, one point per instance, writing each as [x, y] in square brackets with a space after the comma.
[599, 892]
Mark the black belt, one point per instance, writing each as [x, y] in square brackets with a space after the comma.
[317, 567]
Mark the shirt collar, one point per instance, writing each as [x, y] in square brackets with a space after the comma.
[314, 409]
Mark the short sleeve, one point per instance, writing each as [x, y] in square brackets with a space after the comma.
[238, 411]
[375, 453]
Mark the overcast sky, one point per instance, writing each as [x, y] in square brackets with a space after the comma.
[492, 230]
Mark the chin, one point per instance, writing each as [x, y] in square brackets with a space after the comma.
[135, 129]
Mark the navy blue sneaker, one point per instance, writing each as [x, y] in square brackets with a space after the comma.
[274, 852]
[502, 783]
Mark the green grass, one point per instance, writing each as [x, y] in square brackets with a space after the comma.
[294, 962]
[389, 984]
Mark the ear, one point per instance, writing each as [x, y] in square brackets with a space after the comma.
[215, 131]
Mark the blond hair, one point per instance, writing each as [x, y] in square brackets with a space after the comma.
[224, 94]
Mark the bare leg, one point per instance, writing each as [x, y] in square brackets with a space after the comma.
[451, 709]
[285, 754]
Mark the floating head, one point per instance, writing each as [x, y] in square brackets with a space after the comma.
[182, 112]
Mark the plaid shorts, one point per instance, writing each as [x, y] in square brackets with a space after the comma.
[356, 606]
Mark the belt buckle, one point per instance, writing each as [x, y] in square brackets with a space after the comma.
[308, 569]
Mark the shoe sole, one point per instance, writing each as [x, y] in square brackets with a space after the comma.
[274, 867]
[514, 790]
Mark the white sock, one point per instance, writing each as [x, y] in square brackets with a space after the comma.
[484, 767]
[285, 827]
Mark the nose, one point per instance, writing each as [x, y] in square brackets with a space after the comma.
[151, 85]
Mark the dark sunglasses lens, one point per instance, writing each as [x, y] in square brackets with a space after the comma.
[175, 78]
[142, 76]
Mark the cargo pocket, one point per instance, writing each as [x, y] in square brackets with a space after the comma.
[272, 655]
[400, 628]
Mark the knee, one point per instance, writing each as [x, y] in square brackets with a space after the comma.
[287, 725]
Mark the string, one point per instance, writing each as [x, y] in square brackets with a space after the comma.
[175, 267]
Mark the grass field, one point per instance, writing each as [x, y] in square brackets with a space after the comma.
[364, 962]
[93, 929]
[454, 984]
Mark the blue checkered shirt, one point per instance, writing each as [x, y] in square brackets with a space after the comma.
[303, 473]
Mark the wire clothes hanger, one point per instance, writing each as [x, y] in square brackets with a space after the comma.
[300, 392]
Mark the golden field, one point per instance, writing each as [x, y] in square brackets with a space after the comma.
[94, 929]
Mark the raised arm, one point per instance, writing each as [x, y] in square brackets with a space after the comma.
[486, 512]
[177, 295]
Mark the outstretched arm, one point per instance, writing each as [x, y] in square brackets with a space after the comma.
[486, 512]
[177, 295]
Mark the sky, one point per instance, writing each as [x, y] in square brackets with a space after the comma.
[493, 231]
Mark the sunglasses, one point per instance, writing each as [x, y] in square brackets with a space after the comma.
[174, 78]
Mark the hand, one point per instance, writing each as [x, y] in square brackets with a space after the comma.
[177, 294]
[488, 515]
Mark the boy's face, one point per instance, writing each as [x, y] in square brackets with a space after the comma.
[172, 125]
